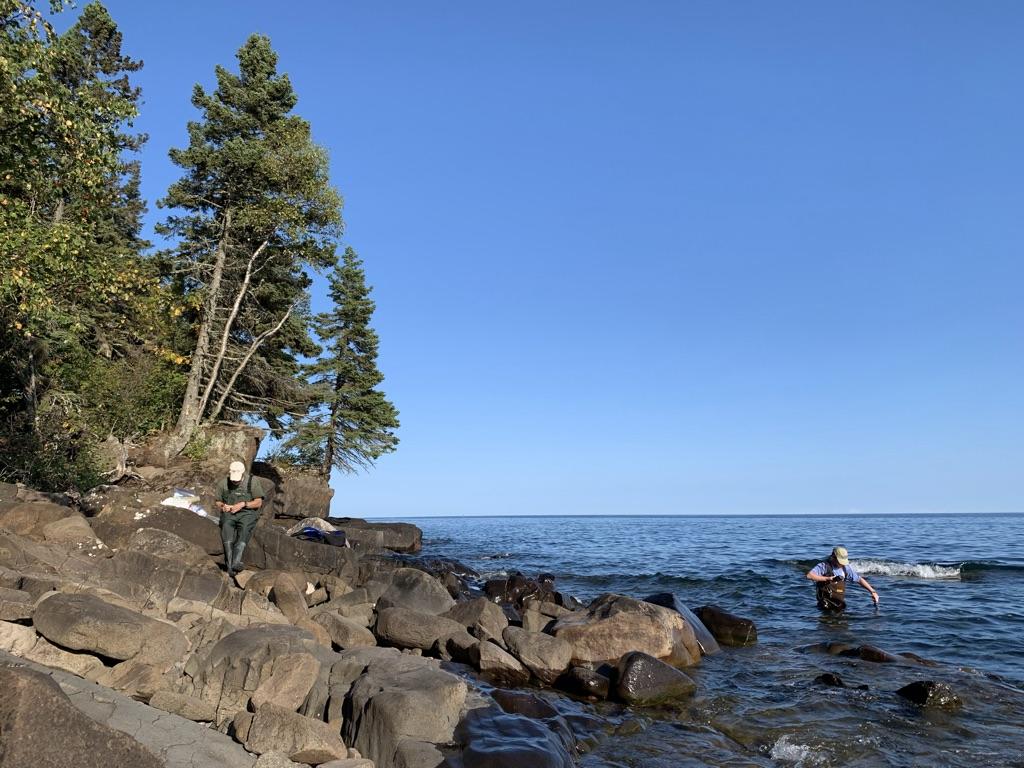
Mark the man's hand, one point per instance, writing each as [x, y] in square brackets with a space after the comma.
[837, 577]
[874, 596]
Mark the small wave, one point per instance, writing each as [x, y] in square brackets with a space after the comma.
[497, 556]
[794, 754]
[912, 570]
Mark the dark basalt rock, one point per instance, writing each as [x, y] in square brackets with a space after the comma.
[928, 693]
[492, 738]
[830, 679]
[644, 680]
[585, 682]
[517, 588]
[871, 653]
[727, 629]
[522, 703]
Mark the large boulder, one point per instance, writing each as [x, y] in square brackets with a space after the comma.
[412, 588]
[297, 494]
[405, 628]
[399, 704]
[397, 537]
[491, 738]
[289, 683]
[86, 623]
[644, 680]
[272, 548]
[727, 629]
[24, 642]
[31, 518]
[41, 727]
[614, 625]
[232, 669]
[496, 665]
[545, 656]
[303, 739]
[118, 522]
[481, 617]
[343, 632]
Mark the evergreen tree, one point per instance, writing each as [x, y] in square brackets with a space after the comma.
[357, 423]
[253, 211]
[73, 288]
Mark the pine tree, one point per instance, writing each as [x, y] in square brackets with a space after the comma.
[253, 211]
[357, 423]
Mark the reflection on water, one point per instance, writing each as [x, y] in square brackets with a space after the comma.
[951, 590]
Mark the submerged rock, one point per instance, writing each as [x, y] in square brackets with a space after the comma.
[928, 693]
[644, 680]
[492, 738]
[585, 682]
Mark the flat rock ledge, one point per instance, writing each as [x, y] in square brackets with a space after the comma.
[175, 741]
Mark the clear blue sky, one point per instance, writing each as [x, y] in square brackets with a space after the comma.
[662, 257]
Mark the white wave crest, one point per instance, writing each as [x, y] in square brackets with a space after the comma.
[913, 570]
[797, 755]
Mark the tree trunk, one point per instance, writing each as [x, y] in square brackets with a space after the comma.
[191, 407]
[331, 447]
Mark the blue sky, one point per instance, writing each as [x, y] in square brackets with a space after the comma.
[662, 257]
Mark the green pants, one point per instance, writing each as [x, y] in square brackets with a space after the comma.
[237, 528]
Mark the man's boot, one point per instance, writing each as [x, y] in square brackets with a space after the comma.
[237, 555]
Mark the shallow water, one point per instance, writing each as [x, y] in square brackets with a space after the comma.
[952, 591]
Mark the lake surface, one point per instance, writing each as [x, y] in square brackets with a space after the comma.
[952, 591]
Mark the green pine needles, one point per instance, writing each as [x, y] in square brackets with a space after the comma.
[355, 423]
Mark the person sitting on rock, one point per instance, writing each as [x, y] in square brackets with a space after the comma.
[832, 576]
[239, 503]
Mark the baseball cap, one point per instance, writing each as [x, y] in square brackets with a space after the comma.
[237, 469]
[841, 555]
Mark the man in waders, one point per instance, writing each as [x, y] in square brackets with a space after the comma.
[832, 575]
[239, 502]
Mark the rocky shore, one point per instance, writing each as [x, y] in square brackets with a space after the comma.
[118, 621]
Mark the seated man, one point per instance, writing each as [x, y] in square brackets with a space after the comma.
[239, 505]
[831, 577]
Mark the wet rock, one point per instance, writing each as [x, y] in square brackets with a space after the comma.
[303, 739]
[830, 679]
[516, 588]
[416, 590]
[928, 693]
[460, 646]
[545, 656]
[345, 633]
[522, 703]
[614, 625]
[870, 653]
[404, 628]
[585, 682]
[494, 739]
[727, 629]
[33, 705]
[646, 681]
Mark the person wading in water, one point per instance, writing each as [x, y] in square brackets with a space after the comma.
[832, 575]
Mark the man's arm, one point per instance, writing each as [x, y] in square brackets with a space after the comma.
[816, 574]
[869, 588]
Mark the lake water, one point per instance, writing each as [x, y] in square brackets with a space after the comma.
[952, 591]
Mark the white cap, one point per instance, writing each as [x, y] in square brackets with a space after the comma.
[235, 471]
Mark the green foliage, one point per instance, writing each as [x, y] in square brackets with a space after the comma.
[356, 423]
[198, 447]
[253, 211]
